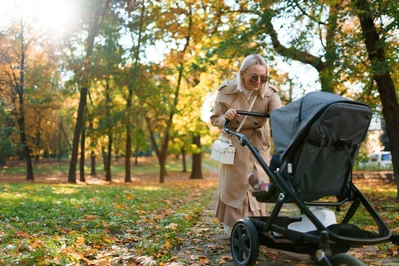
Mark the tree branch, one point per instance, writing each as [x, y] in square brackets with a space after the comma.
[291, 52]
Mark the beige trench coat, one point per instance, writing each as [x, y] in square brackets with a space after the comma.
[233, 179]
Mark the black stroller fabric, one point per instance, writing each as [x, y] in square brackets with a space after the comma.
[320, 135]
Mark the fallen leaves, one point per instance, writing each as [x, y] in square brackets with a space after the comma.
[98, 225]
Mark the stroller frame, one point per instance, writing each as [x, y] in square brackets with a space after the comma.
[326, 245]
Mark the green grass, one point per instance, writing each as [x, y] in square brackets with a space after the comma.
[60, 224]
[65, 224]
[117, 168]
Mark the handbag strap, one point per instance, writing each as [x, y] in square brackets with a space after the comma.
[245, 117]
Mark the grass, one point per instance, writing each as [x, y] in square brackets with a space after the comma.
[52, 166]
[64, 224]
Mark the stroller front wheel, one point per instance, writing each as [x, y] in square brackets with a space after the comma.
[345, 260]
[244, 243]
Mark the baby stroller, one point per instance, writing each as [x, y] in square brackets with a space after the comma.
[316, 140]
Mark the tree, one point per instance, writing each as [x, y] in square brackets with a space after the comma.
[380, 69]
[137, 10]
[106, 109]
[7, 147]
[14, 55]
[341, 58]
[97, 8]
[184, 25]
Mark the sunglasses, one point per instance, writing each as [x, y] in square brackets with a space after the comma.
[255, 78]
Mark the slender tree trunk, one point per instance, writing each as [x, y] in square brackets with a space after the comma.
[130, 96]
[21, 118]
[162, 169]
[75, 143]
[184, 163]
[109, 160]
[104, 154]
[386, 88]
[128, 149]
[93, 164]
[59, 143]
[66, 136]
[136, 157]
[3, 160]
[196, 171]
[117, 153]
[160, 152]
[82, 156]
[37, 157]
[128, 154]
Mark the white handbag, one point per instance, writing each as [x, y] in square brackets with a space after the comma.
[223, 151]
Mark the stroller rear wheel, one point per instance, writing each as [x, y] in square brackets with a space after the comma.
[345, 260]
[244, 243]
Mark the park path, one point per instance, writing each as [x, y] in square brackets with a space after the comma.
[207, 244]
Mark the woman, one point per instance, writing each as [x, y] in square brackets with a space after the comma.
[249, 87]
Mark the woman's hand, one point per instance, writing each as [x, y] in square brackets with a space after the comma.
[230, 114]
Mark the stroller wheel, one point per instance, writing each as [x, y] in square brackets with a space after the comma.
[244, 243]
[345, 260]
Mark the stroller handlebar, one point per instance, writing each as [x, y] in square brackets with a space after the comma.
[241, 112]
[242, 138]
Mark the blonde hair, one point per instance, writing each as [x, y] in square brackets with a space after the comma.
[250, 60]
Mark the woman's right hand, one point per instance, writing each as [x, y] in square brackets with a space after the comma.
[230, 114]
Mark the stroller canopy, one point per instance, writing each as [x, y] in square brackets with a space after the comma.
[319, 135]
[290, 121]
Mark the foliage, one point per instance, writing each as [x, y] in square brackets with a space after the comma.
[199, 45]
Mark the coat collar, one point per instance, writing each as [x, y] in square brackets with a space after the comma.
[230, 87]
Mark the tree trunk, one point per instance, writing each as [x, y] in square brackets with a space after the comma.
[21, 118]
[196, 171]
[162, 169]
[386, 89]
[104, 154]
[136, 67]
[117, 153]
[128, 154]
[109, 159]
[3, 160]
[93, 164]
[21, 122]
[75, 143]
[82, 156]
[136, 156]
[184, 163]
[160, 152]
[37, 157]
[59, 142]
[128, 149]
